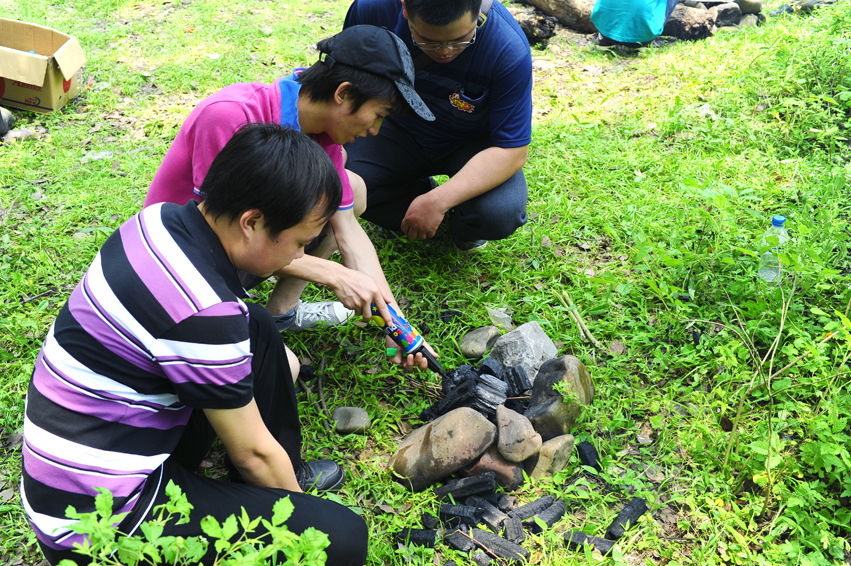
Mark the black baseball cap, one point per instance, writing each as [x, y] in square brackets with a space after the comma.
[380, 52]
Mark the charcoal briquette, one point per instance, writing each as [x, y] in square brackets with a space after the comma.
[576, 539]
[488, 397]
[550, 516]
[491, 516]
[463, 487]
[588, 455]
[430, 521]
[507, 503]
[417, 537]
[503, 548]
[514, 530]
[517, 405]
[466, 514]
[491, 366]
[481, 559]
[628, 516]
[429, 413]
[451, 379]
[493, 383]
[451, 563]
[463, 395]
[517, 380]
[533, 508]
[459, 540]
[491, 497]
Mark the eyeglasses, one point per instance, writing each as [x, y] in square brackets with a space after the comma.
[454, 46]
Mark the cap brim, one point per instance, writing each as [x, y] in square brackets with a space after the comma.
[415, 102]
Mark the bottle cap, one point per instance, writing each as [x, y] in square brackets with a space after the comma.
[392, 351]
[778, 220]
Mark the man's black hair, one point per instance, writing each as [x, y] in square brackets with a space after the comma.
[276, 170]
[321, 82]
[442, 12]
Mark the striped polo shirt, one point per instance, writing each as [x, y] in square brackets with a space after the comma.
[155, 328]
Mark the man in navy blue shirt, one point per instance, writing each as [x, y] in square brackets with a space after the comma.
[474, 71]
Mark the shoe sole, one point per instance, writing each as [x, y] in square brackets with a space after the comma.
[472, 251]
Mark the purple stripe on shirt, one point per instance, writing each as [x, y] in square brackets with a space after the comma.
[230, 308]
[28, 446]
[143, 220]
[166, 291]
[107, 332]
[81, 482]
[128, 412]
[53, 368]
[50, 540]
[181, 372]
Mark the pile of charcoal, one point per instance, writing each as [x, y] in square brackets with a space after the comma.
[458, 524]
[482, 505]
[482, 388]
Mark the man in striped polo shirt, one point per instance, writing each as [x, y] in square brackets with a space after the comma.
[155, 354]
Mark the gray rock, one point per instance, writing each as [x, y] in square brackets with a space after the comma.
[749, 21]
[351, 420]
[750, 6]
[690, 23]
[728, 14]
[436, 450]
[575, 14]
[517, 438]
[526, 346]
[7, 120]
[477, 343]
[550, 414]
[265, 30]
[508, 474]
[552, 458]
[18, 135]
[695, 4]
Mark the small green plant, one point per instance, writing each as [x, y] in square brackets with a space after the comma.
[106, 546]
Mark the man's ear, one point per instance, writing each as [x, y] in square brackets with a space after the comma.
[342, 92]
[404, 10]
[250, 223]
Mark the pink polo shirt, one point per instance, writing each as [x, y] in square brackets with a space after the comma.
[212, 124]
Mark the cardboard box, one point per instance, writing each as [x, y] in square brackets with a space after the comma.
[43, 81]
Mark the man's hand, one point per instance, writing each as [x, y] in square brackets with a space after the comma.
[358, 291]
[409, 362]
[423, 217]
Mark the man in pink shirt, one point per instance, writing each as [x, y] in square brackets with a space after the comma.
[366, 75]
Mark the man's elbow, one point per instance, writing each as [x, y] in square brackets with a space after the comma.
[519, 156]
[250, 463]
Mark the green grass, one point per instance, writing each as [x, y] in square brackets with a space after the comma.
[652, 211]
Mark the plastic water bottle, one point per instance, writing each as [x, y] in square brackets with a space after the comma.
[769, 264]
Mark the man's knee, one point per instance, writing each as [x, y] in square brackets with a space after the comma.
[350, 541]
[359, 192]
[295, 366]
[497, 214]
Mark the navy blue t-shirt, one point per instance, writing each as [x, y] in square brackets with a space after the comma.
[487, 89]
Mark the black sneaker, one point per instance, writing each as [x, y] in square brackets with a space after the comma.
[321, 475]
[471, 247]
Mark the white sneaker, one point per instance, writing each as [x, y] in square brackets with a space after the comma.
[311, 315]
